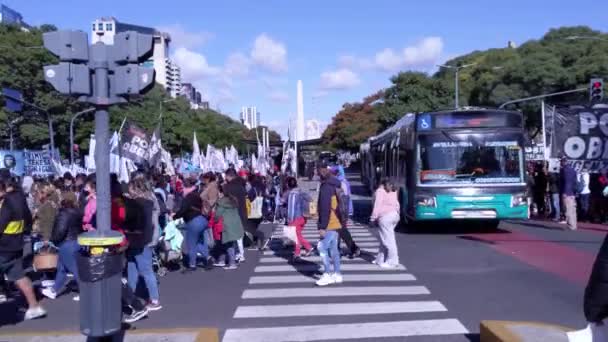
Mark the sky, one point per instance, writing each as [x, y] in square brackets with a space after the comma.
[252, 53]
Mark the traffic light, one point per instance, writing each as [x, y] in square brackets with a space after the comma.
[131, 79]
[596, 89]
[130, 49]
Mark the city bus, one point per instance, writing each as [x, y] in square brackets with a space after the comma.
[465, 164]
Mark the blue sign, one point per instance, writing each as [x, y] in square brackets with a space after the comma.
[424, 122]
[12, 98]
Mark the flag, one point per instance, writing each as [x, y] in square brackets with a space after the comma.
[90, 159]
[114, 154]
[196, 152]
[134, 142]
[155, 148]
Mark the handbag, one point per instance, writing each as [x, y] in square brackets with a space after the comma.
[289, 234]
[256, 208]
[46, 258]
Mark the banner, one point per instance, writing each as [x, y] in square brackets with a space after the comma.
[580, 134]
[154, 153]
[134, 143]
[38, 164]
[13, 161]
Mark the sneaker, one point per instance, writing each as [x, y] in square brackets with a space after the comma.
[154, 305]
[388, 266]
[35, 312]
[338, 279]
[240, 258]
[47, 283]
[76, 298]
[231, 267]
[136, 316]
[326, 279]
[3, 298]
[219, 264]
[48, 292]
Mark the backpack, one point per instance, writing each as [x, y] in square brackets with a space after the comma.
[297, 205]
[343, 206]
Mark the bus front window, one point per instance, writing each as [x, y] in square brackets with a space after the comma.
[470, 158]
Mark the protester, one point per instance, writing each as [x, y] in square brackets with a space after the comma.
[345, 235]
[67, 227]
[227, 215]
[329, 226]
[139, 228]
[15, 219]
[568, 191]
[386, 214]
[210, 194]
[90, 208]
[196, 223]
[584, 192]
[554, 189]
[297, 205]
[235, 188]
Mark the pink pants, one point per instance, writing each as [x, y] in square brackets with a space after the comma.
[302, 242]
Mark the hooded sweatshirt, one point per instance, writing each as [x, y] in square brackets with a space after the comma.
[328, 204]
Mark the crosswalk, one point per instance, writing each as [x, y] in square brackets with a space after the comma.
[282, 303]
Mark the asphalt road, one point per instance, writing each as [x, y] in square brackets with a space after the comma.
[454, 276]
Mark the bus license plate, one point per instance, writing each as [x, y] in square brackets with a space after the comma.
[473, 214]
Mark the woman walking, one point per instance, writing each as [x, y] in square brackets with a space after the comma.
[386, 213]
[227, 215]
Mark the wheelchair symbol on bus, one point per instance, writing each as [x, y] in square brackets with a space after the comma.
[424, 122]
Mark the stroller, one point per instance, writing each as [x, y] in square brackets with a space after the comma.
[168, 251]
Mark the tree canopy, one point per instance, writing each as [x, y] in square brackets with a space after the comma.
[556, 62]
[21, 67]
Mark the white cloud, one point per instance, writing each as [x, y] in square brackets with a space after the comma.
[237, 65]
[182, 38]
[339, 79]
[426, 51]
[278, 96]
[194, 66]
[269, 54]
[320, 94]
[388, 60]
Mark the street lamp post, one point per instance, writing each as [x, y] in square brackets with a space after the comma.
[11, 124]
[457, 69]
[72, 132]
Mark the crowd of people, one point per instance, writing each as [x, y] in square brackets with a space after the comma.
[566, 195]
[217, 215]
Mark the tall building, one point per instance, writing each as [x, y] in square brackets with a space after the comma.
[300, 129]
[250, 117]
[189, 92]
[174, 78]
[104, 30]
[9, 16]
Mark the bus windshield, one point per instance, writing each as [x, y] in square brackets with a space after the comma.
[480, 158]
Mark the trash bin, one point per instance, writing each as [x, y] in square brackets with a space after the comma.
[100, 287]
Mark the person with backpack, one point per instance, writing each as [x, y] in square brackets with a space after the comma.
[345, 211]
[329, 225]
[298, 202]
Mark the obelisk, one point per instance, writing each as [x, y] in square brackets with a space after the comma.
[301, 135]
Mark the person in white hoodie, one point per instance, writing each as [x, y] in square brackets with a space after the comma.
[585, 193]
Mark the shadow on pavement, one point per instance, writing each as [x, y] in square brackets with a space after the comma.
[473, 337]
[451, 227]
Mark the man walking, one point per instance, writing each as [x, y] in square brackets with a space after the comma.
[329, 226]
[568, 189]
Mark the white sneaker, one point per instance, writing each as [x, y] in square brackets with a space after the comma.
[76, 298]
[47, 283]
[48, 292]
[338, 279]
[388, 266]
[35, 312]
[326, 279]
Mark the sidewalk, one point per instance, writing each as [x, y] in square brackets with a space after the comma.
[597, 227]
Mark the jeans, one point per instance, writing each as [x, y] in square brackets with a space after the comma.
[584, 199]
[328, 248]
[196, 241]
[139, 262]
[388, 248]
[556, 206]
[66, 263]
[301, 242]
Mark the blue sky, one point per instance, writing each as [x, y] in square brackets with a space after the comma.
[246, 52]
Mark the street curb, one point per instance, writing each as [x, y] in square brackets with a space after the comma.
[203, 334]
[503, 331]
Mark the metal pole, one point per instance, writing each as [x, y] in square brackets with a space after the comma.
[542, 113]
[102, 150]
[456, 87]
[10, 131]
[51, 133]
[541, 96]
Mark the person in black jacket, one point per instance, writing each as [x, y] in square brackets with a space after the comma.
[15, 219]
[139, 229]
[67, 226]
[235, 187]
[196, 224]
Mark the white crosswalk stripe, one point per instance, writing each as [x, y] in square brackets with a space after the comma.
[372, 303]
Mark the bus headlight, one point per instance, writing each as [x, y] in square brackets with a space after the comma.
[426, 201]
[519, 199]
